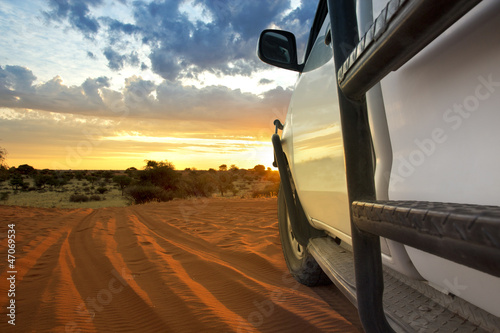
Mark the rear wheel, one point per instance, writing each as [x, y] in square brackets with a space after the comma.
[300, 262]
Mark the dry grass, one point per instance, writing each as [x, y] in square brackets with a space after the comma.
[245, 185]
[59, 198]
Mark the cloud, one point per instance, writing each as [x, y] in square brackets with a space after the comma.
[17, 90]
[117, 61]
[224, 46]
[117, 26]
[265, 81]
[210, 108]
[220, 39]
[77, 12]
[16, 78]
[299, 21]
[247, 18]
[164, 63]
[92, 87]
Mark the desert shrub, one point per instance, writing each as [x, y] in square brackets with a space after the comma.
[161, 174]
[4, 196]
[268, 191]
[18, 183]
[101, 190]
[122, 182]
[146, 193]
[197, 184]
[41, 180]
[224, 182]
[95, 197]
[78, 198]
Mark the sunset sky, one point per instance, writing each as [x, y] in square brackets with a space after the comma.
[107, 84]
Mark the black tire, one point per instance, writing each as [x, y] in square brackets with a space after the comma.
[300, 262]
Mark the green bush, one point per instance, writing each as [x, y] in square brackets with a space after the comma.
[161, 174]
[197, 184]
[4, 196]
[78, 198]
[95, 197]
[101, 190]
[146, 193]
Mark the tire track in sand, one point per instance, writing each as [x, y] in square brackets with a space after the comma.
[215, 267]
[265, 304]
[153, 277]
[110, 303]
[38, 278]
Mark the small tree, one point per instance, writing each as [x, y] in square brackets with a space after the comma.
[224, 182]
[3, 152]
[161, 174]
[223, 167]
[92, 179]
[152, 164]
[131, 172]
[4, 173]
[122, 181]
[26, 169]
[107, 175]
[17, 182]
[41, 180]
[197, 184]
[260, 169]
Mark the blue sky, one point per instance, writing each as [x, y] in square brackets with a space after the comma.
[107, 84]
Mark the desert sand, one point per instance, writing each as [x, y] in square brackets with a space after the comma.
[211, 265]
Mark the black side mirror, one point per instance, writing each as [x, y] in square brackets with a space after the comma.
[279, 48]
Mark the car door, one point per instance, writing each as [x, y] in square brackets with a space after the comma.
[318, 152]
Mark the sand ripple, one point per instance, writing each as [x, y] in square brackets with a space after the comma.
[212, 265]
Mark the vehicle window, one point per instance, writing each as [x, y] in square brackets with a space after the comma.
[321, 13]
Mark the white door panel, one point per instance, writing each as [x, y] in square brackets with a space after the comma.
[443, 112]
[317, 141]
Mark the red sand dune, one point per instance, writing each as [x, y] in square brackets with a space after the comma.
[212, 265]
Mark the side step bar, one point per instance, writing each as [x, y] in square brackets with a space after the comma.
[403, 28]
[466, 234]
[409, 306]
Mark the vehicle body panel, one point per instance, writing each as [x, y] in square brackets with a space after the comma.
[318, 153]
[434, 132]
[442, 112]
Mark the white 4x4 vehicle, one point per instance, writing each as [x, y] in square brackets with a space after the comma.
[389, 160]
